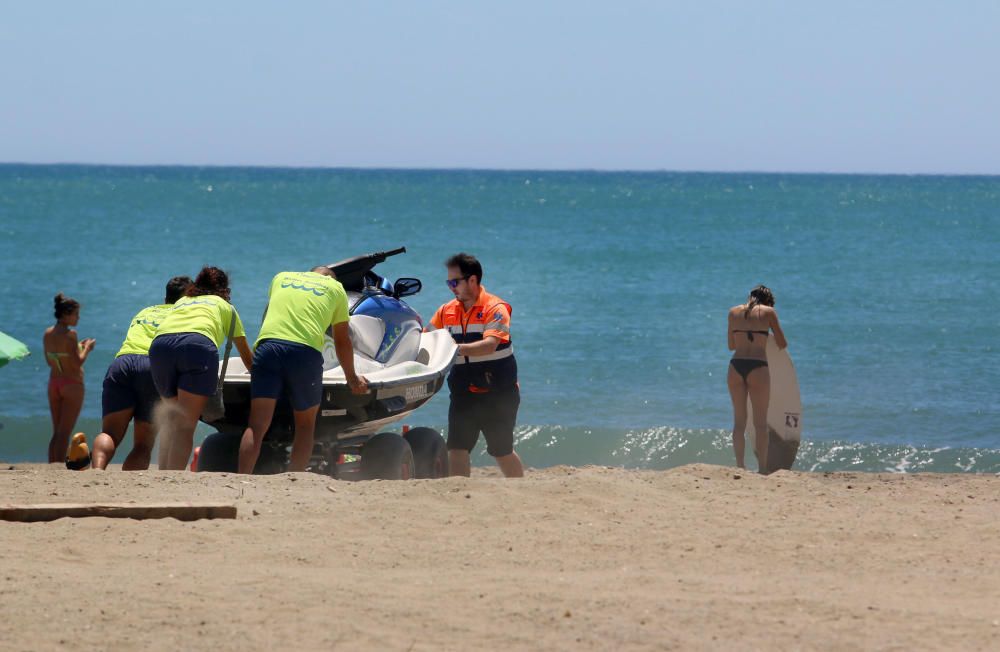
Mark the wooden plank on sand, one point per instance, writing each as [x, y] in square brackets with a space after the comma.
[52, 511]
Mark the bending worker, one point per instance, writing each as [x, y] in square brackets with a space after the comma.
[129, 391]
[184, 359]
[483, 381]
[288, 355]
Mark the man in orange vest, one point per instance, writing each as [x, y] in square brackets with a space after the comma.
[483, 382]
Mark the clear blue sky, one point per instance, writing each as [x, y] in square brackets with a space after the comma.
[844, 86]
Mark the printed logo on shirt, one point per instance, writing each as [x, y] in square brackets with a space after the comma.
[305, 287]
[194, 302]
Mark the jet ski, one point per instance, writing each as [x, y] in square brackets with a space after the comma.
[404, 366]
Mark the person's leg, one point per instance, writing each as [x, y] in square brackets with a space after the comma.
[113, 428]
[759, 386]
[55, 407]
[197, 376]
[302, 445]
[302, 371]
[182, 439]
[261, 413]
[463, 433]
[145, 397]
[71, 400]
[165, 422]
[265, 389]
[163, 371]
[497, 418]
[144, 435]
[459, 462]
[511, 465]
[738, 394]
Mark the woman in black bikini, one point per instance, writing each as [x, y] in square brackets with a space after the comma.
[749, 326]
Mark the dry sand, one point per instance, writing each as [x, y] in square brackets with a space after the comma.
[699, 557]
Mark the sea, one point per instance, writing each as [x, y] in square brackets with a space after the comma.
[620, 282]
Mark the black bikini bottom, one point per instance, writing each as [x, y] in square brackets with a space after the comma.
[744, 366]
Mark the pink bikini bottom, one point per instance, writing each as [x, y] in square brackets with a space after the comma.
[58, 382]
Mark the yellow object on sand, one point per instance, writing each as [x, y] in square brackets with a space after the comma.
[79, 453]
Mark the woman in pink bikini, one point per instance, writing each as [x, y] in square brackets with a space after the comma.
[65, 357]
[749, 325]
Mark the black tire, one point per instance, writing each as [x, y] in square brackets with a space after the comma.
[271, 460]
[220, 453]
[430, 454]
[386, 456]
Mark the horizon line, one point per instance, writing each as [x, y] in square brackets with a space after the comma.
[390, 168]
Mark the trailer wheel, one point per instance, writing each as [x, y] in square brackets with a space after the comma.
[430, 454]
[219, 453]
[386, 456]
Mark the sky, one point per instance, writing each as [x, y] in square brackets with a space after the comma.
[796, 86]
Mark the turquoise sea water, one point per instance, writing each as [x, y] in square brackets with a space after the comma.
[886, 287]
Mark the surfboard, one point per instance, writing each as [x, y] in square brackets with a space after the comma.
[784, 411]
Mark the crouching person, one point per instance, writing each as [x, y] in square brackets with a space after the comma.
[288, 356]
[129, 392]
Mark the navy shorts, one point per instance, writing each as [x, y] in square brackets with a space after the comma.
[296, 368]
[129, 385]
[188, 361]
[493, 413]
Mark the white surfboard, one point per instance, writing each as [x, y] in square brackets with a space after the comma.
[784, 411]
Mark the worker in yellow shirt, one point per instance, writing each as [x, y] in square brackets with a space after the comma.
[288, 356]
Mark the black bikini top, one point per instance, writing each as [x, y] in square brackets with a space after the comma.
[750, 333]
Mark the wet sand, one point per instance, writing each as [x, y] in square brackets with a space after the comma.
[698, 557]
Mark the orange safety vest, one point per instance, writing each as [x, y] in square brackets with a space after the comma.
[489, 317]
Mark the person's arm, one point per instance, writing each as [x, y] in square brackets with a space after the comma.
[485, 346]
[245, 353]
[730, 340]
[345, 355]
[496, 332]
[84, 348]
[436, 321]
[240, 338]
[779, 335]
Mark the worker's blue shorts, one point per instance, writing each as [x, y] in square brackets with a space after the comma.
[188, 361]
[129, 385]
[282, 366]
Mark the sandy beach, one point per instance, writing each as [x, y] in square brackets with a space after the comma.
[698, 557]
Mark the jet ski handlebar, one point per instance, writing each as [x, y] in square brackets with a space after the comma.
[351, 271]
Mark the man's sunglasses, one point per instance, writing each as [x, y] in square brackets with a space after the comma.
[453, 282]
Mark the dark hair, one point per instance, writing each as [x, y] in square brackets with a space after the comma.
[467, 264]
[324, 270]
[759, 296]
[176, 287]
[210, 280]
[65, 305]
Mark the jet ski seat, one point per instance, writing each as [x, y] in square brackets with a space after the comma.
[368, 334]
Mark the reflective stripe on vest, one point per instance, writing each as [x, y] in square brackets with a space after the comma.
[499, 354]
[471, 328]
